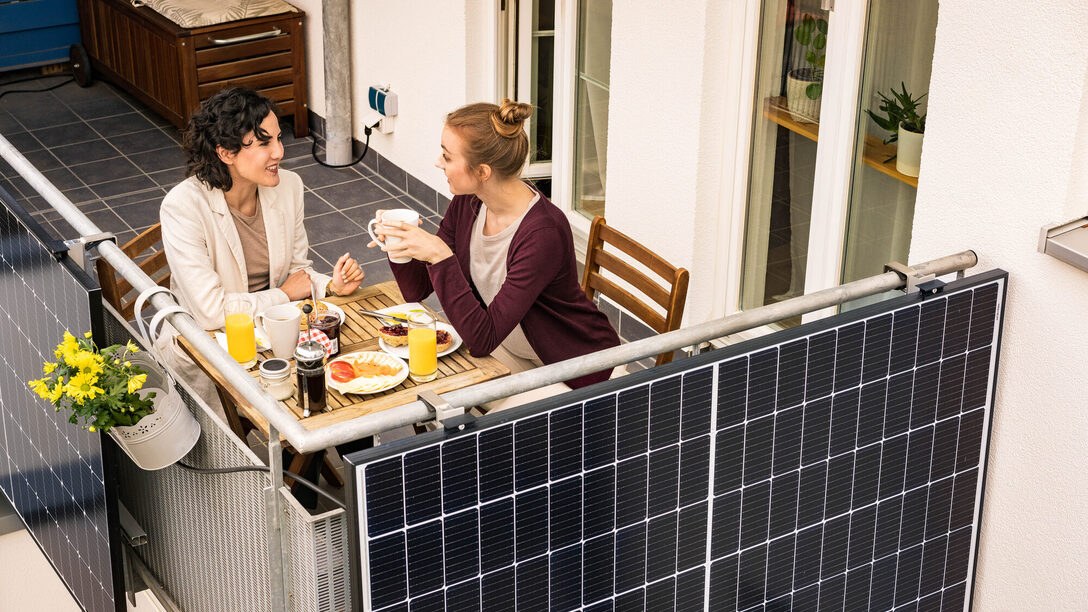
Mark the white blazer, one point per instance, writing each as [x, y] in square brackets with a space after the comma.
[207, 265]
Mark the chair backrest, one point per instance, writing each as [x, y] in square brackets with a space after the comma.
[116, 289]
[669, 295]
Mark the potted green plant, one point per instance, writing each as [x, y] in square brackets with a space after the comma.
[121, 391]
[906, 126]
[804, 85]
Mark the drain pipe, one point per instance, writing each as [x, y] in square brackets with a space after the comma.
[337, 55]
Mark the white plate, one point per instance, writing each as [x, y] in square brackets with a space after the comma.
[263, 343]
[402, 351]
[368, 385]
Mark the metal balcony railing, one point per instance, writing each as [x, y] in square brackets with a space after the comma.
[283, 423]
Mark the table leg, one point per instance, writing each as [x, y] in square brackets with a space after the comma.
[310, 469]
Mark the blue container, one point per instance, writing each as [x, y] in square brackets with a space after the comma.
[37, 32]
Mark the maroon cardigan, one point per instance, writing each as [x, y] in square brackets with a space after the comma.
[542, 290]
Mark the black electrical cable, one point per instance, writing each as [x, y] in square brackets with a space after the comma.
[264, 468]
[50, 88]
[366, 148]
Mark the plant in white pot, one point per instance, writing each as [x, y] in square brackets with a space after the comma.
[121, 391]
[901, 119]
[804, 85]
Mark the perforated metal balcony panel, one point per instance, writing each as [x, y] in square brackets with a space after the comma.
[839, 464]
[53, 473]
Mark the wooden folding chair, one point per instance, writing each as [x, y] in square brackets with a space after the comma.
[669, 292]
[116, 289]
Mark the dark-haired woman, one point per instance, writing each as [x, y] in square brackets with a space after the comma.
[503, 262]
[234, 227]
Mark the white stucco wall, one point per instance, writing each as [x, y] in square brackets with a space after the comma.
[665, 134]
[1004, 153]
[429, 52]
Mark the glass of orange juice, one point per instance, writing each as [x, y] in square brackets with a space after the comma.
[241, 340]
[422, 347]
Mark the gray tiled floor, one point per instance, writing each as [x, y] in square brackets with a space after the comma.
[115, 159]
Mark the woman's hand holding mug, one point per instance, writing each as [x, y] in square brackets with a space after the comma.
[398, 233]
[382, 238]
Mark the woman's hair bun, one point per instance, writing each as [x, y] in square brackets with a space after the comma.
[510, 116]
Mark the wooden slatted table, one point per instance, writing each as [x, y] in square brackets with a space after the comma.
[360, 333]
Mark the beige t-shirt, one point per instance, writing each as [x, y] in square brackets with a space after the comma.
[487, 267]
[254, 247]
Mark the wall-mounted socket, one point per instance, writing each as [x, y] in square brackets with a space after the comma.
[384, 102]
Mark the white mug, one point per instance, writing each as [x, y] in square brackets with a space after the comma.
[281, 323]
[407, 216]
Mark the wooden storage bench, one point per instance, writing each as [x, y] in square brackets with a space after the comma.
[172, 69]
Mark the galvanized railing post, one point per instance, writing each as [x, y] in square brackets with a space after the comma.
[278, 551]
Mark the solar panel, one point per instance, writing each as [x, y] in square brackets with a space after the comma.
[51, 471]
[836, 465]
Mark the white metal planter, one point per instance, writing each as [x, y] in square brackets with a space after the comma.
[164, 436]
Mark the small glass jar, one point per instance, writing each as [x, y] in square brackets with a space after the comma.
[276, 378]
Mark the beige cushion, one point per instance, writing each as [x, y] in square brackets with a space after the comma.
[199, 13]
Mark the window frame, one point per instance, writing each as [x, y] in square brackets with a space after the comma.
[835, 165]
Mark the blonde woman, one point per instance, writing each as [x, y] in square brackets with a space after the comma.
[502, 263]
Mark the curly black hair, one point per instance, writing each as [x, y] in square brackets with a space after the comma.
[221, 121]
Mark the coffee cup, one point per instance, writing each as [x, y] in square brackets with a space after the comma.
[281, 322]
[405, 215]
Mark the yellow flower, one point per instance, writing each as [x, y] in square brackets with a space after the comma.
[48, 367]
[69, 344]
[136, 382]
[81, 387]
[39, 387]
[68, 353]
[87, 362]
[54, 395]
[131, 347]
[87, 335]
[128, 364]
[92, 429]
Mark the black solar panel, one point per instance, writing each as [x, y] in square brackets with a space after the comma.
[837, 465]
[50, 470]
